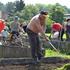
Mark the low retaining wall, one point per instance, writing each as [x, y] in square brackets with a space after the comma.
[14, 52]
[25, 61]
[25, 51]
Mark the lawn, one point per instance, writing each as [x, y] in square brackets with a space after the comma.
[64, 36]
[51, 53]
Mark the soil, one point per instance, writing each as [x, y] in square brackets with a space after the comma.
[47, 64]
[32, 67]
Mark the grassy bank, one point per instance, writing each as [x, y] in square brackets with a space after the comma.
[51, 53]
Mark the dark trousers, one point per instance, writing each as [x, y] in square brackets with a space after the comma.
[68, 32]
[61, 34]
[35, 44]
[67, 36]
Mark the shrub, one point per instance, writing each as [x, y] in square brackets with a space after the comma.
[65, 67]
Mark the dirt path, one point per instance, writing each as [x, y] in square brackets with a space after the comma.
[31, 67]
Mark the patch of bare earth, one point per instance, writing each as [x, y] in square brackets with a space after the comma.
[46, 64]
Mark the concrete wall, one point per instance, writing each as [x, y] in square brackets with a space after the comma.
[25, 51]
[14, 52]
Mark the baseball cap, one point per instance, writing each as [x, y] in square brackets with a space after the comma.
[43, 12]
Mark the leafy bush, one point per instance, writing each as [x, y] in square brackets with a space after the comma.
[65, 67]
[48, 30]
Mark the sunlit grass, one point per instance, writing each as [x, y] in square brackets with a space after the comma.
[51, 53]
[65, 67]
[64, 36]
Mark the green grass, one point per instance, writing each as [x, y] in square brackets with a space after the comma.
[65, 67]
[64, 36]
[51, 53]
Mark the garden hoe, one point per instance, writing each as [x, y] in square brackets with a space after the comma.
[47, 39]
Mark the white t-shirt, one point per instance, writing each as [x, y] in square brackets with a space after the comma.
[55, 35]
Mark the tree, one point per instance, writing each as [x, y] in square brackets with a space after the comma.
[29, 11]
[41, 7]
[22, 4]
[10, 8]
[19, 5]
[57, 13]
[1, 6]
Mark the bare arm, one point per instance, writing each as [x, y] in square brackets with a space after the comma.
[41, 30]
[39, 27]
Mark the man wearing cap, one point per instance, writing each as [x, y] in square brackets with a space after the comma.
[36, 26]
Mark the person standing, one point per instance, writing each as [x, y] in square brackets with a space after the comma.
[56, 30]
[68, 30]
[36, 26]
[15, 27]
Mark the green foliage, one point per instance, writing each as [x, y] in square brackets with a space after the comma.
[52, 53]
[57, 13]
[48, 20]
[29, 11]
[48, 24]
[21, 21]
[48, 28]
[1, 6]
[19, 5]
[10, 7]
[65, 67]
[22, 4]
[26, 12]
[42, 7]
